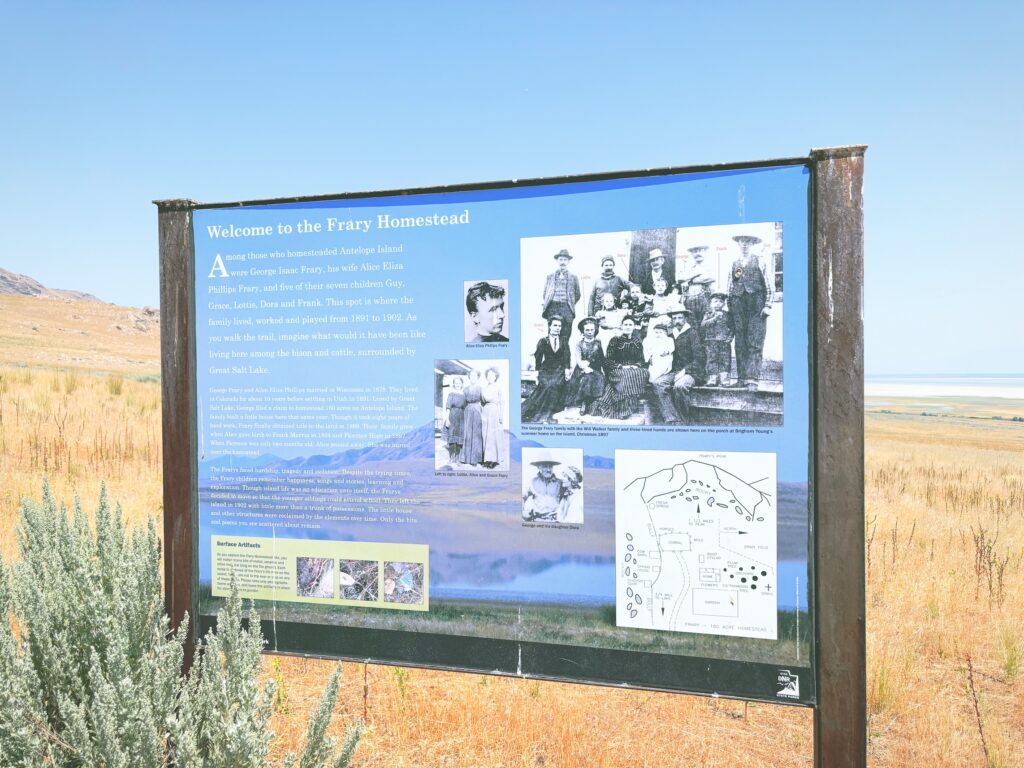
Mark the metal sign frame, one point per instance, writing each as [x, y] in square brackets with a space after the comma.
[836, 483]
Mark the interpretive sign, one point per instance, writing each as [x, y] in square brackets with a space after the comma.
[559, 428]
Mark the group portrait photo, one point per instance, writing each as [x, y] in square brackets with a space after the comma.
[471, 417]
[668, 327]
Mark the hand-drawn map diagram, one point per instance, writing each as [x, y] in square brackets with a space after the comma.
[695, 542]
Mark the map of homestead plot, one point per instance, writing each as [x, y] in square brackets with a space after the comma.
[695, 547]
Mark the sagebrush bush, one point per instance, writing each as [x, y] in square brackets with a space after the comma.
[90, 673]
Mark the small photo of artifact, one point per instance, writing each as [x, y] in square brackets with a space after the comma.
[357, 580]
[314, 577]
[403, 583]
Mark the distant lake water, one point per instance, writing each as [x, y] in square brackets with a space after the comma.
[1008, 386]
[588, 584]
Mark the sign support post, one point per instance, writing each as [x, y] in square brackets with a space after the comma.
[177, 354]
[840, 718]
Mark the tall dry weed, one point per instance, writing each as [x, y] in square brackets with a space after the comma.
[73, 428]
[946, 537]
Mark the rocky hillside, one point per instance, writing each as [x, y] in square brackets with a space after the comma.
[23, 285]
[45, 327]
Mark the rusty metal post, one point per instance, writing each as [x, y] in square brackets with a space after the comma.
[840, 723]
[177, 359]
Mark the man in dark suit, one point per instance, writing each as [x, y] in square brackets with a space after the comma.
[672, 390]
[658, 270]
[561, 295]
[750, 302]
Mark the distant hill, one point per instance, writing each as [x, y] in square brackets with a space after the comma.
[23, 285]
[417, 444]
[50, 328]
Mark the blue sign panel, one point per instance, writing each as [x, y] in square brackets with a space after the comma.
[556, 429]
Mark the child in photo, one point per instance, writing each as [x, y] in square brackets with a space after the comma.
[638, 304]
[570, 507]
[609, 317]
[664, 300]
[658, 351]
[716, 330]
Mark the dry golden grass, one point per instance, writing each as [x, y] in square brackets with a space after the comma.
[82, 335]
[945, 510]
[427, 718]
[945, 536]
[78, 429]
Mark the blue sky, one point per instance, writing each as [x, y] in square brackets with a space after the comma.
[107, 106]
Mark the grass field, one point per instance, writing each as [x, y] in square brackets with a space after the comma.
[945, 539]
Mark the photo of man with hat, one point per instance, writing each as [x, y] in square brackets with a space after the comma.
[695, 285]
[716, 330]
[658, 270]
[672, 389]
[553, 495]
[561, 295]
[750, 301]
[606, 282]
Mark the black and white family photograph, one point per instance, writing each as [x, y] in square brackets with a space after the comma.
[471, 417]
[553, 486]
[653, 327]
[486, 311]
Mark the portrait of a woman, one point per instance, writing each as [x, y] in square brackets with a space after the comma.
[473, 424]
[495, 444]
[454, 416]
[552, 361]
[627, 376]
[587, 381]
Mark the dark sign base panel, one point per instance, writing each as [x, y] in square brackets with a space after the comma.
[543, 661]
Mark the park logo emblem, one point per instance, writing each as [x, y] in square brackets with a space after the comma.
[789, 685]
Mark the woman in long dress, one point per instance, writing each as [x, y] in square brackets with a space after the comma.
[552, 361]
[627, 377]
[493, 418]
[472, 425]
[587, 381]
[454, 416]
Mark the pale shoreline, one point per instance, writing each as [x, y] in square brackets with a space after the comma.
[887, 389]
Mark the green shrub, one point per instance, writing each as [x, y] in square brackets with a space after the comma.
[90, 673]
